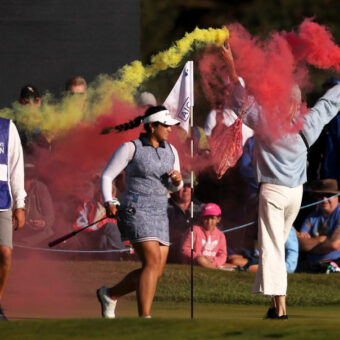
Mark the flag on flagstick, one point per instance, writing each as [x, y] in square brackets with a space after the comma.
[181, 98]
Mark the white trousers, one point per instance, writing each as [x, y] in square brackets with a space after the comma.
[278, 208]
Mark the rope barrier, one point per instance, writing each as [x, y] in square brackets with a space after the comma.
[130, 249]
[76, 251]
[303, 207]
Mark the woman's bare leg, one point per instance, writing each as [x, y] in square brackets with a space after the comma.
[126, 286]
[144, 280]
[153, 257]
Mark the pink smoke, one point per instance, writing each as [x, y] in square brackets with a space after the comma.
[272, 68]
[314, 44]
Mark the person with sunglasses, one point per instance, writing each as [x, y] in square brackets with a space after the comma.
[151, 168]
[29, 95]
[320, 232]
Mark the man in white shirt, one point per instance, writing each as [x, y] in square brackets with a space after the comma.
[12, 197]
[222, 114]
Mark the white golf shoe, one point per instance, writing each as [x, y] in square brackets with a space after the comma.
[108, 305]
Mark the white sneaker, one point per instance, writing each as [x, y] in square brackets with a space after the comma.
[108, 305]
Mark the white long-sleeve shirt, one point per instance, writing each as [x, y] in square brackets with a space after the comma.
[15, 168]
[228, 119]
[118, 162]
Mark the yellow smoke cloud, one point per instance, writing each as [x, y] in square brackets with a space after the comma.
[53, 118]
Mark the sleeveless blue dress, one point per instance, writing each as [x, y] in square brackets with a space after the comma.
[143, 211]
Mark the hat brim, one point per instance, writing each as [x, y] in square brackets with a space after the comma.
[163, 117]
[170, 122]
[316, 191]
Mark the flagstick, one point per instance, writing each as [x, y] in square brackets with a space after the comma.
[192, 213]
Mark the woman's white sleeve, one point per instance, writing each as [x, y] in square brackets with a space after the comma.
[177, 167]
[118, 162]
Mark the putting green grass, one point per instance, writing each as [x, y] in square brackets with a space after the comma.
[171, 321]
[48, 299]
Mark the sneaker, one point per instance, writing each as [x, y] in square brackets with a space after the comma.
[108, 305]
[2, 315]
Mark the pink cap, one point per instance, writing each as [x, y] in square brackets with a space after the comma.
[211, 209]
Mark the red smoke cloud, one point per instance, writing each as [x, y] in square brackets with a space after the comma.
[272, 68]
[83, 152]
[314, 44]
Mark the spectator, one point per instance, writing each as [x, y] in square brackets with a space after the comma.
[210, 246]
[76, 97]
[332, 143]
[179, 217]
[221, 116]
[292, 251]
[76, 85]
[103, 235]
[320, 232]
[39, 211]
[324, 154]
[248, 261]
[30, 96]
[146, 99]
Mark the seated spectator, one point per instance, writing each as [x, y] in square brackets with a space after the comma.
[179, 217]
[248, 261]
[320, 232]
[209, 243]
[102, 235]
[292, 251]
[40, 214]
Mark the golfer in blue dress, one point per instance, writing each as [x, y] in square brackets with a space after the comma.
[151, 169]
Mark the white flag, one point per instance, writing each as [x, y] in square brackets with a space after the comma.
[181, 97]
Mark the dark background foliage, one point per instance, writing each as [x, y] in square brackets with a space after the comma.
[163, 22]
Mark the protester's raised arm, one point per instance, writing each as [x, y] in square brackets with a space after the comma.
[228, 58]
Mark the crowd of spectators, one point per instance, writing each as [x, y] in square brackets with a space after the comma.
[312, 243]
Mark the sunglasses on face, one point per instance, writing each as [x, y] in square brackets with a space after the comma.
[77, 93]
[320, 197]
[25, 101]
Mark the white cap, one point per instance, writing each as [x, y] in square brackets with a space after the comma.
[163, 117]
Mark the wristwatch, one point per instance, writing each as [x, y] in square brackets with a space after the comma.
[114, 201]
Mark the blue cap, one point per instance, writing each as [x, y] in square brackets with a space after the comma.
[330, 82]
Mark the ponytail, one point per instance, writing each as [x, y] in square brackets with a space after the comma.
[123, 127]
[133, 123]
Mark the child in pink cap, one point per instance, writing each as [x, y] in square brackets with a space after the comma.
[210, 246]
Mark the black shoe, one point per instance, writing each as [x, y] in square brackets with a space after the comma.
[2, 315]
[271, 313]
[281, 317]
